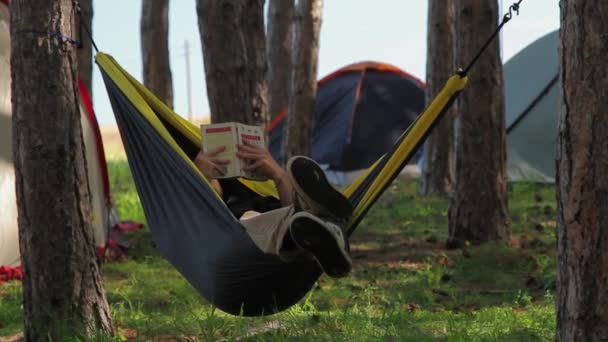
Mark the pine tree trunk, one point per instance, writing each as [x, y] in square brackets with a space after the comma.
[278, 50]
[63, 294]
[85, 53]
[582, 230]
[297, 138]
[155, 49]
[478, 207]
[438, 157]
[233, 41]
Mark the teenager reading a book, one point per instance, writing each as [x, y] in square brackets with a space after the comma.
[313, 212]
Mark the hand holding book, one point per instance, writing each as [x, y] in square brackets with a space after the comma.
[210, 164]
[259, 161]
[236, 150]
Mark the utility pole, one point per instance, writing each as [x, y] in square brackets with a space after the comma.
[188, 84]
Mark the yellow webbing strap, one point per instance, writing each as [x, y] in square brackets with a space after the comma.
[150, 106]
[412, 136]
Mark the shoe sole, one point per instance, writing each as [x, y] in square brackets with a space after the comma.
[315, 188]
[312, 236]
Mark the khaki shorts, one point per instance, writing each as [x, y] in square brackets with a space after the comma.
[268, 229]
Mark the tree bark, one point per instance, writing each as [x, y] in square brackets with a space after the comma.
[63, 294]
[155, 49]
[85, 52]
[297, 138]
[582, 230]
[278, 50]
[438, 157]
[478, 207]
[233, 41]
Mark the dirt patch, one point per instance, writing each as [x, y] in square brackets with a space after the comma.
[13, 338]
[394, 250]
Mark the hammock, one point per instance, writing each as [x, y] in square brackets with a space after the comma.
[195, 230]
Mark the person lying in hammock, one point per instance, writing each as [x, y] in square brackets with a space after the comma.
[313, 213]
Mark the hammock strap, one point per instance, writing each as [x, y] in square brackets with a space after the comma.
[82, 26]
[505, 19]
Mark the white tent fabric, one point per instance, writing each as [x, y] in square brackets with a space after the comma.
[532, 110]
[103, 215]
[341, 179]
[9, 246]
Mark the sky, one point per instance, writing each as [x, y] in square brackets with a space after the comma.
[389, 31]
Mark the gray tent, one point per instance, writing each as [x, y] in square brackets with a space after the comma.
[532, 110]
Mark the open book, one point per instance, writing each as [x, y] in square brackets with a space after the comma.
[229, 134]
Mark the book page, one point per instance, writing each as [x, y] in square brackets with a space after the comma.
[224, 134]
[253, 135]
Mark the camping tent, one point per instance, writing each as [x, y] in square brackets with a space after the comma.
[360, 112]
[532, 110]
[103, 214]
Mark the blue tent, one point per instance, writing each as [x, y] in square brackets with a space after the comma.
[360, 112]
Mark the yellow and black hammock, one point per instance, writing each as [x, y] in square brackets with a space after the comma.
[193, 227]
[196, 230]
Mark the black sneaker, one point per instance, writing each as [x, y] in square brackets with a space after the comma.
[324, 240]
[313, 193]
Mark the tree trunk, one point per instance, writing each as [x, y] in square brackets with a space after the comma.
[63, 294]
[582, 230]
[278, 50]
[155, 49]
[233, 41]
[437, 162]
[478, 207]
[297, 139]
[85, 53]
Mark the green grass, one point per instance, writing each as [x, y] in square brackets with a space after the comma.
[404, 285]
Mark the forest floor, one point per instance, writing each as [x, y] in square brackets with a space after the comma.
[405, 285]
